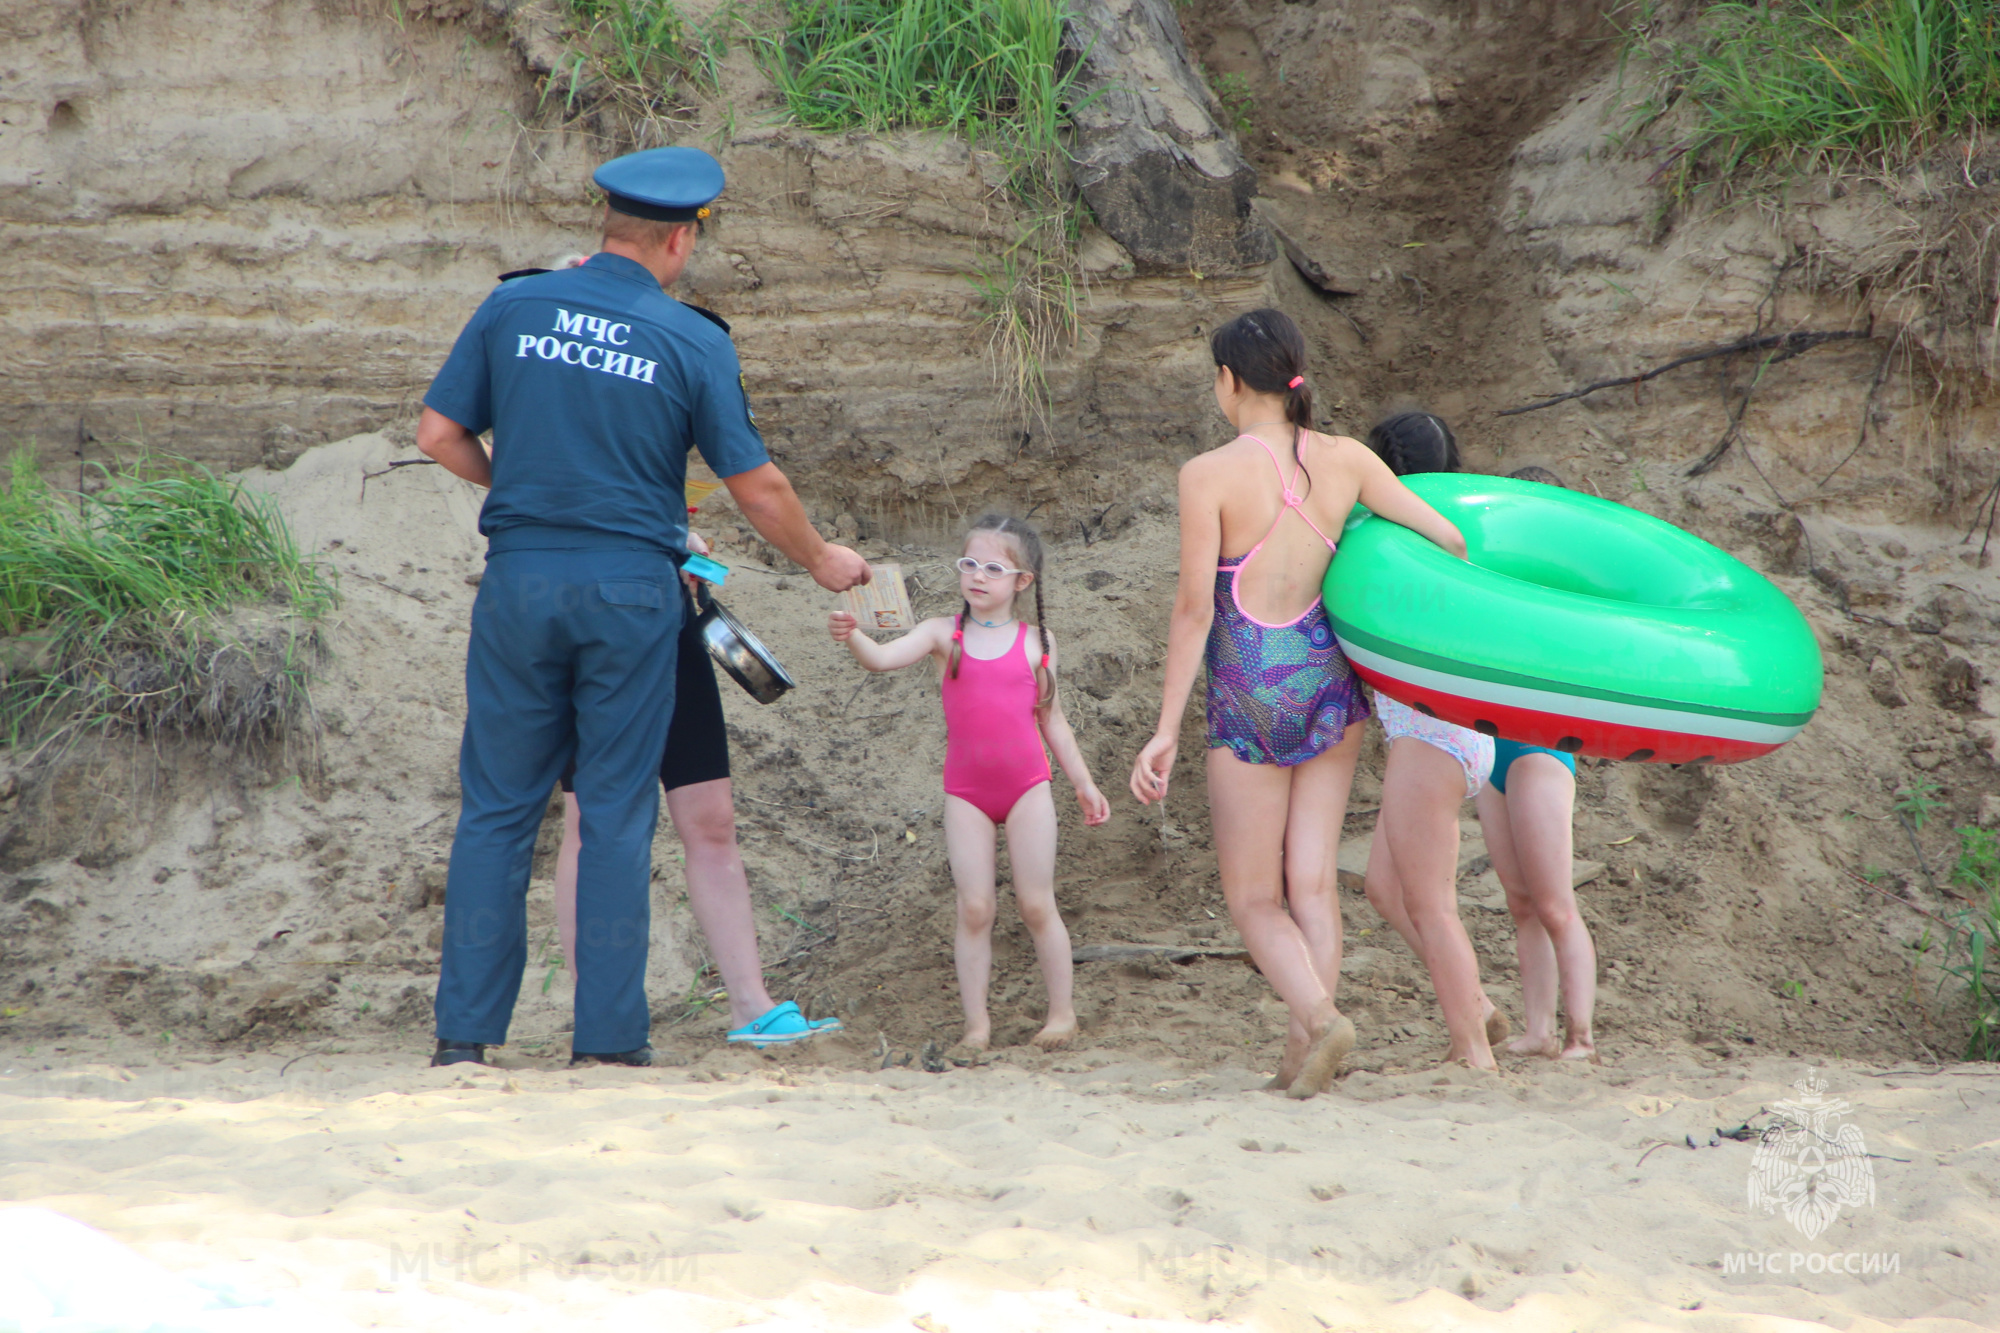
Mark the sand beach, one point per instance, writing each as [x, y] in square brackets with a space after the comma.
[352, 1189]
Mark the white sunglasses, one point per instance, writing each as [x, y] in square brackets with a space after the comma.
[992, 569]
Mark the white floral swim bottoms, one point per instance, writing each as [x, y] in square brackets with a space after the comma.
[1473, 751]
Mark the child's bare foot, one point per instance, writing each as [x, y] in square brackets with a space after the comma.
[1480, 1059]
[1293, 1060]
[1526, 1044]
[1331, 1042]
[1056, 1033]
[975, 1039]
[1580, 1046]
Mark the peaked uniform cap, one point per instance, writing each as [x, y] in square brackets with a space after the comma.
[661, 184]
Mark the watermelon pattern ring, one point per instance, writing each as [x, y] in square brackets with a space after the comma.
[1576, 624]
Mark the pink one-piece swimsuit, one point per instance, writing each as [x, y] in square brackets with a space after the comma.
[993, 753]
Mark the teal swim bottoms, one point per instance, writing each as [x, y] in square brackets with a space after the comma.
[1506, 752]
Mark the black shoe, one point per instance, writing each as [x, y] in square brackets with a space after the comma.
[639, 1059]
[458, 1053]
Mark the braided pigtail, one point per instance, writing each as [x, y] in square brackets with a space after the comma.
[958, 636]
[1045, 680]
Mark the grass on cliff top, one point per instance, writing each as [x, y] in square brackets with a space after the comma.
[1809, 83]
[642, 48]
[170, 599]
[993, 71]
[988, 69]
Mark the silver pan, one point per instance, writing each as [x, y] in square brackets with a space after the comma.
[741, 653]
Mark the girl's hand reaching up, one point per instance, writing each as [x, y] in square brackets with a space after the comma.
[1150, 769]
[840, 624]
[1095, 808]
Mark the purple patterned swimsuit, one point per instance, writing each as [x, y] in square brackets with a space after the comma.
[1277, 694]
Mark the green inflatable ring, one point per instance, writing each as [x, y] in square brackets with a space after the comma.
[1576, 624]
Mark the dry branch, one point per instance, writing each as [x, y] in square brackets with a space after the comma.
[1784, 346]
[1168, 953]
[367, 477]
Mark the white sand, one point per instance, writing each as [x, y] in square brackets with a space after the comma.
[362, 1188]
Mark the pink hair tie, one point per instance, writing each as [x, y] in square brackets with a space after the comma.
[1297, 380]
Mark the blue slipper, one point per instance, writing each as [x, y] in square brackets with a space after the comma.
[782, 1026]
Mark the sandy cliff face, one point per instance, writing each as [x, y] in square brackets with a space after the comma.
[238, 231]
[1893, 422]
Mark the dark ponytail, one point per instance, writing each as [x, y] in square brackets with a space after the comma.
[1267, 352]
[1415, 442]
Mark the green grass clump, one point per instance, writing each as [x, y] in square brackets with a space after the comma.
[642, 57]
[172, 598]
[1978, 865]
[1812, 82]
[1030, 302]
[1233, 91]
[1971, 955]
[988, 69]
[651, 41]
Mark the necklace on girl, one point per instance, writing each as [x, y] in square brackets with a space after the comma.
[990, 624]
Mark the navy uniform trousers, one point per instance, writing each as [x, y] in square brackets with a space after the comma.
[572, 651]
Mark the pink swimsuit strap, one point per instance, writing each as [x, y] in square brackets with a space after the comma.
[1294, 502]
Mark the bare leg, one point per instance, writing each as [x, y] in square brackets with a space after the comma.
[1385, 895]
[572, 843]
[1249, 804]
[1418, 830]
[1541, 806]
[971, 845]
[1313, 821]
[1031, 848]
[704, 814]
[705, 817]
[1531, 943]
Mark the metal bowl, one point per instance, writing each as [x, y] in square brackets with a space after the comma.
[742, 654]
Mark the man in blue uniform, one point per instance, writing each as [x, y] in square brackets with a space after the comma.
[595, 384]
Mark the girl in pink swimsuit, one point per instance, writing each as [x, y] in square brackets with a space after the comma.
[1257, 516]
[1000, 705]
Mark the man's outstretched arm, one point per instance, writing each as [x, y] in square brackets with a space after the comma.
[767, 499]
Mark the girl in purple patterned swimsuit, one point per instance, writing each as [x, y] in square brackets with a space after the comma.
[1282, 699]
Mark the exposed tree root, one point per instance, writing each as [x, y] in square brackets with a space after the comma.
[1786, 345]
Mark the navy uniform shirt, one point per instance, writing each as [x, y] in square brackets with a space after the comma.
[595, 383]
